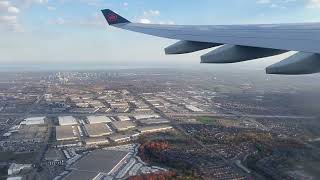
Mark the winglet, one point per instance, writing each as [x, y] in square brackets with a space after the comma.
[113, 18]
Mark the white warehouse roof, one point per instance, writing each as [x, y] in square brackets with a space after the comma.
[67, 120]
[146, 116]
[124, 118]
[98, 119]
[193, 108]
[33, 121]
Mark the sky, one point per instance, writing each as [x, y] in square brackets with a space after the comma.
[62, 32]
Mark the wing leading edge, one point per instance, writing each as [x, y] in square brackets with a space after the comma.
[238, 42]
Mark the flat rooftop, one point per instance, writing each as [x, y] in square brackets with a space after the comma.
[193, 108]
[29, 132]
[80, 175]
[154, 128]
[67, 120]
[97, 140]
[146, 116]
[33, 121]
[66, 132]
[98, 119]
[95, 130]
[123, 125]
[95, 162]
[154, 121]
[120, 137]
[124, 118]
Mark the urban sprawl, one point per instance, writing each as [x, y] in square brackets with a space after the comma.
[149, 124]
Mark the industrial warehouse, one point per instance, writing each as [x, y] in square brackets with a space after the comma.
[120, 138]
[67, 120]
[94, 163]
[96, 141]
[64, 133]
[33, 121]
[124, 118]
[98, 119]
[97, 130]
[154, 121]
[123, 125]
[153, 129]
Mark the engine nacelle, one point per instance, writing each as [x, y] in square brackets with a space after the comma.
[183, 47]
[235, 53]
[299, 63]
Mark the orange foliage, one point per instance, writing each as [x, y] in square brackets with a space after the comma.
[153, 148]
[154, 176]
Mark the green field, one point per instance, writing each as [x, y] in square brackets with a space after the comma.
[207, 120]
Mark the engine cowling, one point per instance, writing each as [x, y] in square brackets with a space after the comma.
[299, 63]
[183, 47]
[235, 53]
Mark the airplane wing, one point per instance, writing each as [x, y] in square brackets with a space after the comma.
[239, 42]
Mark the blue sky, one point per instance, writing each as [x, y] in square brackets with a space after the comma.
[74, 31]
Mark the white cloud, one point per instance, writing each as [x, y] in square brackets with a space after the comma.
[29, 3]
[152, 13]
[4, 6]
[13, 9]
[8, 19]
[264, 1]
[167, 22]
[58, 21]
[313, 4]
[152, 16]
[38, 1]
[4, 3]
[10, 23]
[145, 21]
[94, 21]
[282, 4]
[51, 8]
[148, 15]
[125, 4]
[289, 1]
[279, 4]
